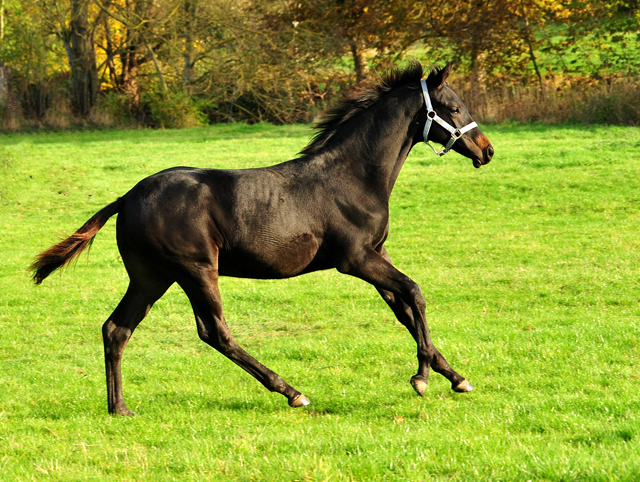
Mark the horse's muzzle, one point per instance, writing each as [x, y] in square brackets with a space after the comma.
[487, 154]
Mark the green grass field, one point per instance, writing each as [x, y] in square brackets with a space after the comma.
[530, 269]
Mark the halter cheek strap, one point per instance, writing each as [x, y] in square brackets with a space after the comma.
[433, 116]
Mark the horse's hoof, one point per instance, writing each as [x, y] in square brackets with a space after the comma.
[463, 386]
[420, 386]
[299, 401]
[123, 412]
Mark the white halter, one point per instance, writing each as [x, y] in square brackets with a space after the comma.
[432, 116]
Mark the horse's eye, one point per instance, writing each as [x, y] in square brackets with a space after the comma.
[455, 110]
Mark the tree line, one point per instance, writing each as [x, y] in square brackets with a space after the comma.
[182, 62]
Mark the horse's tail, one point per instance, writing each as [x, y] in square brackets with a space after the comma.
[67, 250]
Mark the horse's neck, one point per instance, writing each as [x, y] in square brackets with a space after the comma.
[370, 148]
[385, 143]
[401, 157]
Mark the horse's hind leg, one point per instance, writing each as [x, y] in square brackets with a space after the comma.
[146, 286]
[212, 328]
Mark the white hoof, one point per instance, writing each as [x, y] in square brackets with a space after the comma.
[299, 401]
[420, 386]
[463, 386]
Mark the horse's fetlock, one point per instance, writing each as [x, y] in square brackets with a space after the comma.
[276, 383]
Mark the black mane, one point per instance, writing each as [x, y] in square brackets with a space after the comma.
[333, 118]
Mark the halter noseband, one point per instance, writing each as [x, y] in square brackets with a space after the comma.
[432, 116]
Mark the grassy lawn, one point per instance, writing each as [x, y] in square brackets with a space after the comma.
[530, 269]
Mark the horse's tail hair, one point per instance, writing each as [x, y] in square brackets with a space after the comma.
[67, 250]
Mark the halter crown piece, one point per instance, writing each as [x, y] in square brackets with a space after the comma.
[432, 116]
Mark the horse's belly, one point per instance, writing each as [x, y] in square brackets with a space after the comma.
[266, 258]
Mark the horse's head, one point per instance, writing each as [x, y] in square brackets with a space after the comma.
[447, 120]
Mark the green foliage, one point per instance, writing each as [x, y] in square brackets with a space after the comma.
[595, 55]
[34, 63]
[28, 47]
[170, 110]
[530, 271]
[283, 62]
[119, 107]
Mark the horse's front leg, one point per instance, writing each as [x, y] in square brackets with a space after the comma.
[406, 301]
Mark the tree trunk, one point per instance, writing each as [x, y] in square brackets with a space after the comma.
[477, 68]
[109, 51]
[156, 64]
[84, 72]
[135, 44]
[191, 12]
[358, 61]
[532, 55]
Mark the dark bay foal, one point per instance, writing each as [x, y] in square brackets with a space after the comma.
[329, 208]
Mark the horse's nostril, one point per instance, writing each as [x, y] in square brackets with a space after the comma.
[490, 152]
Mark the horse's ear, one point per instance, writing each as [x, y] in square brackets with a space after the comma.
[445, 73]
[436, 81]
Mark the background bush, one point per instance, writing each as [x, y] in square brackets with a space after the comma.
[177, 63]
